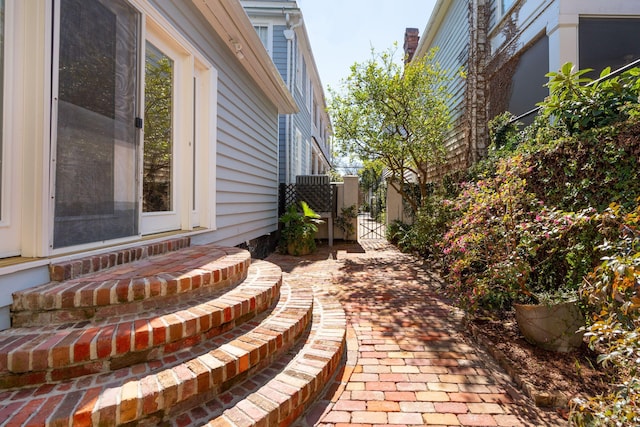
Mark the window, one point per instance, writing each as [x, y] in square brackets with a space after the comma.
[157, 187]
[606, 42]
[506, 4]
[263, 33]
[528, 81]
[134, 116]
[94, 161]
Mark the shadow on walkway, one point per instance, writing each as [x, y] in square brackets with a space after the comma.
[409, 362]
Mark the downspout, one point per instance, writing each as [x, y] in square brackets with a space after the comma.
[289, 34]
[287, 128]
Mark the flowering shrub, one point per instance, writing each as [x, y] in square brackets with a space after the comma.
[562, 249]
[613, 290]
[509, 247]
[486, 267]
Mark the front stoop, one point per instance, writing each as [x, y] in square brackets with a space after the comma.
[171, 334]
[279, 394]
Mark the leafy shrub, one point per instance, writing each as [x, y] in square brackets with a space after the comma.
[578, 103]
[486, 270]
[560, 248]
[429, 226]
[299, 227]
[399, 234]
[504, 133]
[344, 221]
[509, 247]
[613, 290]
[592, 170]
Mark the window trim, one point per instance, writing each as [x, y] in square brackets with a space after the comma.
[269, 42]
[297, 154]
[11, 163]
[299, 64]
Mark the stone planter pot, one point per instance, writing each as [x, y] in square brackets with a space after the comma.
[551, 327]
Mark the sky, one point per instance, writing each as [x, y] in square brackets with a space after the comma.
[342, 32]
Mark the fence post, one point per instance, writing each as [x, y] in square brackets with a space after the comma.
[395, 208]
[350, 197]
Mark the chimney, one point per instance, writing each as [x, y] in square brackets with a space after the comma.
[411, 39]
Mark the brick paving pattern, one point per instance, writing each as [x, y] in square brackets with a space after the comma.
[408, 362]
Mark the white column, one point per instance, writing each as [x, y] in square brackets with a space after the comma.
[563, 40]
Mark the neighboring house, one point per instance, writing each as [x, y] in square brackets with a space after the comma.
[124, 119]
[304, 136]
[505, 48]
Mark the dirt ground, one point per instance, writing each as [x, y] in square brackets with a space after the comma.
[569, 374]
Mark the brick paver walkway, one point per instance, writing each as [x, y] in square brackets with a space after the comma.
[408, 362]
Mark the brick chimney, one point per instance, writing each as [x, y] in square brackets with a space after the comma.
[411, 39]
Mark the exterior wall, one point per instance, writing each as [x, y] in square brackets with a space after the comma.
[501, 51]
[280, 50]
[242, 153]
[449, 31]
[452, 42]
[526, 26]
[310, 153]
[246, 174]
[395, 208]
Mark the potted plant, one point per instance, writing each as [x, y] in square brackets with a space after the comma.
[560, 252]
[299, 229]
[506, 250]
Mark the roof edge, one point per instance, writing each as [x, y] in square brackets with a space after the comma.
[431, 29]
[230, 21]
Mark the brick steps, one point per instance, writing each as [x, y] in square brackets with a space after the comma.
[280, 393]
[219, 326]
[196, 374]
[52, 354]
[129, 288]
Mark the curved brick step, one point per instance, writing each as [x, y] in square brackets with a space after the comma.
[51, 354]
[153, 389]
[131, 288]
[279, 394]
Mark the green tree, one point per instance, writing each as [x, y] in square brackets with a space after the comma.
[370, 176]
[395, 115]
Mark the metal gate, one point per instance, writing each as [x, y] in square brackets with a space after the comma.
[371, 219]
